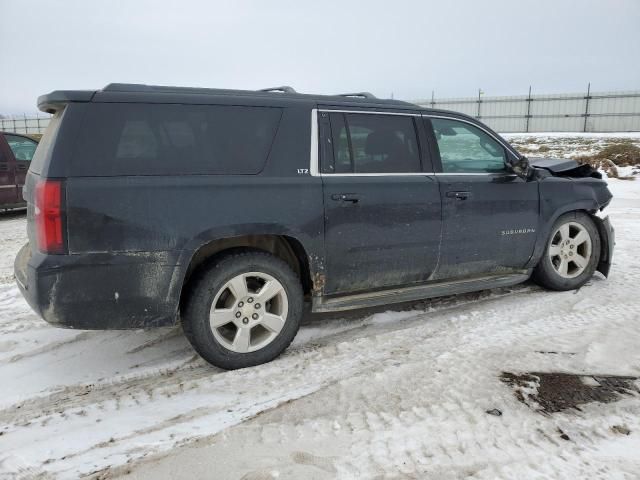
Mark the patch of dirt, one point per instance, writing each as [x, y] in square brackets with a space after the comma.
[555, 392]
[621, 154]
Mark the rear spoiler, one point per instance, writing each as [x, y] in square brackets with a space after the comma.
[56, 100]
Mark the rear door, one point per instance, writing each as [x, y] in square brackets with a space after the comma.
[23, 149]
[8, 192]
[381, 204]
[490, 215]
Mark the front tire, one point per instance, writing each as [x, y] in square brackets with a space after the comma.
[571, 255]
[243, 310]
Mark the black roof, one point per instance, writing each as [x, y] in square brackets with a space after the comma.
[276, 96]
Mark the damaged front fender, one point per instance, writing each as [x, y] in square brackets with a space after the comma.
[563, 167]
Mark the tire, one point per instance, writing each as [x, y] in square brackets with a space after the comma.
[567, 245]
[251, 336]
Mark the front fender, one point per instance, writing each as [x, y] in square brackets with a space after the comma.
[545, 225]
[559, 196]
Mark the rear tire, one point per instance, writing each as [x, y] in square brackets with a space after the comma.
[571, 254]
[257, 310]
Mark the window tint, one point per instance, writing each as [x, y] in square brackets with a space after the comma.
[148, 139]
[47, 141]
[22, 148]
[465, 148]
[341, 149]
[370, 143]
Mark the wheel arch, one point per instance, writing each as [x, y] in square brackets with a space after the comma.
[588, 207]
[285, 247]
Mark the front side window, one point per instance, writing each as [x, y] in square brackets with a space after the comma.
[374, 143]
[22, 148]
[465, 148]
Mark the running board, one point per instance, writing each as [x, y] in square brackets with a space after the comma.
[415, 292]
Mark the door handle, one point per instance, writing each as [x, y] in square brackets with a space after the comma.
[346, 197]
[459, 195]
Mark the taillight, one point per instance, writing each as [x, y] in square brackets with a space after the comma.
[48, 216]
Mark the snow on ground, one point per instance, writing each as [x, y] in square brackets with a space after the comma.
[369, 394]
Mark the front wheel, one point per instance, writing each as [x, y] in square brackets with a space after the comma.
[244, 310]
[571, 255]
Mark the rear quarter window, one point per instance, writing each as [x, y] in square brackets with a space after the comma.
[46, 143]
[160, 139]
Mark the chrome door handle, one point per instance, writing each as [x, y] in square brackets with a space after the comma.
[346, 197]
[459, 195]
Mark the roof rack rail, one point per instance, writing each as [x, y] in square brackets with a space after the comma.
[283, 89]
[358, 94]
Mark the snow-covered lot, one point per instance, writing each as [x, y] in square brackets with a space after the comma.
[373, 394]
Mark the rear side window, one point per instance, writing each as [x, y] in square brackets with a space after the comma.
[374, 143]
[159, 139]
[46, 142]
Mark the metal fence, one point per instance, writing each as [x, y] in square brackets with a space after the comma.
[24, 124]
[565, 112]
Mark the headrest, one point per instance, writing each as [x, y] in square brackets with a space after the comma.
[381, 142]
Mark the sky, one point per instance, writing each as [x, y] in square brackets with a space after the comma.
[403, 48]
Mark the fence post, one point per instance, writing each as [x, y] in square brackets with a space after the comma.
[433, 103]
[528, 109]
[26, 125]
[479, 101]
[586, 107]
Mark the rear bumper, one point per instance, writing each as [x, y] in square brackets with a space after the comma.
[100, 291]
[608, 241]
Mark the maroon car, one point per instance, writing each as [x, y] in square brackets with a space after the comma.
[16, 152]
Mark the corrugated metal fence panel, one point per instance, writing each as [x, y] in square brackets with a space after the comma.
[614, 124]
[621, 102]
[604, 111]
[506, 125]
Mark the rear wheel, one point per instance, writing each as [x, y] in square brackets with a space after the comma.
[571, 255]
[244, 310]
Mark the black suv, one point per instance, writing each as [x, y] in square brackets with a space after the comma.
[229, 209]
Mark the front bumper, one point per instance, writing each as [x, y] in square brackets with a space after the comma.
[608, 241]
[99, 291]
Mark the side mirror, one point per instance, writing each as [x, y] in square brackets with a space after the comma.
[521, 167]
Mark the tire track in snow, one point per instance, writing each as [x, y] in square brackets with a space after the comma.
[357, 405]
[74, 396]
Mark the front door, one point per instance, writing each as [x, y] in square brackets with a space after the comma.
[23, 149]
[8, 194]
[490, 215]
[382, 211]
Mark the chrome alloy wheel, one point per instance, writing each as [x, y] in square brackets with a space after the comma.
[570, 249]
[248, 312]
